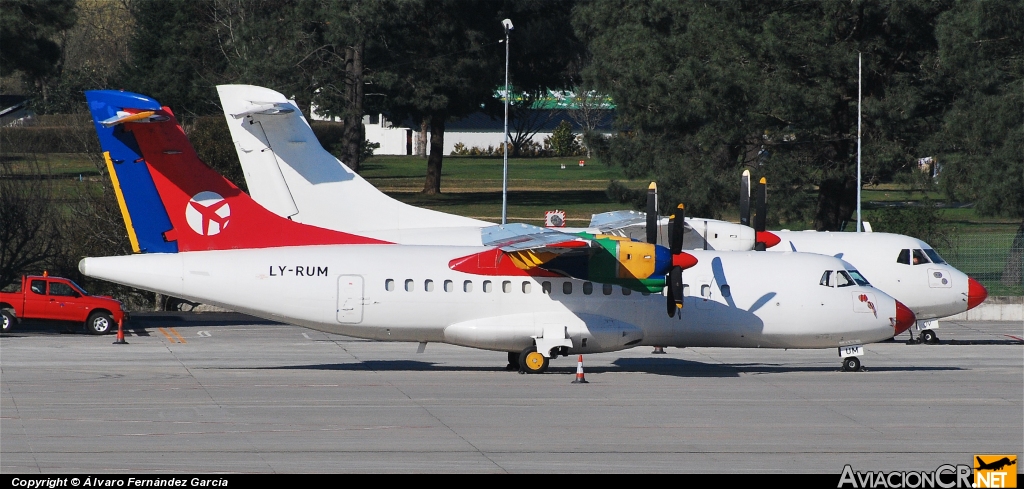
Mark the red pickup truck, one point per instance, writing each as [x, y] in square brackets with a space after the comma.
[59, 299]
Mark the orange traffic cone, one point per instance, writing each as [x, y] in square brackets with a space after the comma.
[120, 334]
[579, 372]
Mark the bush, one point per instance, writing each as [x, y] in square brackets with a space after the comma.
[563, 142]
[36, 139]
[212, 140]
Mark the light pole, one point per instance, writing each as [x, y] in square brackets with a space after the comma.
[504, 176]
[859, 57]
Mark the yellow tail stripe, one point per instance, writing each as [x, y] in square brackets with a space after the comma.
[120, 202]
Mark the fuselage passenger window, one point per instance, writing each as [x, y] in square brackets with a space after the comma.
[567, 288]
[428, 285]
[545, 288]
[506, 287]
[588, 288]
[606, 289]
[527, 287]
[449, 286]
[389, 285]
[467, 286]
[409, 285]
[487, 286]
[626, 291]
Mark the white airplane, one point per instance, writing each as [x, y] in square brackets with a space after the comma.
[283, 163]
[528, 295]
[904, 267]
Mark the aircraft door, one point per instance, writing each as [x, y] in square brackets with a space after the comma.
[350, 299]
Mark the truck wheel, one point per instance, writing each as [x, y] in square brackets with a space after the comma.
[8, 321]
[99, 323]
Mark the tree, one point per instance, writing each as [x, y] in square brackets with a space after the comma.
[30, 223]
[981, 140]
[28, 29]
[444, 60]
[704, 89]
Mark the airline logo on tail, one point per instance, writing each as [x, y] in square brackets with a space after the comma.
[170, 200]
[207, 213]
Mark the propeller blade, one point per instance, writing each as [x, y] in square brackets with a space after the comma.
[676, 278]
[670, 305]
[745, 198]
[677, 230]
[652, 213]
[760, 203]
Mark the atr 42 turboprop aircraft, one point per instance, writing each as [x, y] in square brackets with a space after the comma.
[202, 239]
[904, 267]
[286, 169]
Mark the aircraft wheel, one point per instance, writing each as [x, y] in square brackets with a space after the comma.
[851, 364]
[513, 361]
[99, 323]
[928, 336]
[532, 362]
[8, 321]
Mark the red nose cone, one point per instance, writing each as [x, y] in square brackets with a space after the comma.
[684, 260]
[976, 293]
[768, 238]
[905, 318]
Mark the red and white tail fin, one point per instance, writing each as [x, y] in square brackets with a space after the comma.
[206, 211]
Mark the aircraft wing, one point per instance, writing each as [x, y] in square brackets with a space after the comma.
[521, 237]
[607, 222]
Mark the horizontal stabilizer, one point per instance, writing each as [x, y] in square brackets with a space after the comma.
[265, 108]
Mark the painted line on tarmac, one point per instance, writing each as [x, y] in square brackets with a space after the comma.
[170, 338]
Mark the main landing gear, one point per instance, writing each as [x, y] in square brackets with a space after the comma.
[531, 361]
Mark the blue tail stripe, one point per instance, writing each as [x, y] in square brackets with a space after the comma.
[148, 215]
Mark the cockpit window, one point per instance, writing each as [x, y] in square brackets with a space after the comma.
[826, 278]
[904, 257]
[934, 256]
[920, 258]
[843, 279]
[857, 277]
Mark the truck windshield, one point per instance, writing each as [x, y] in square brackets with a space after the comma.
[79, 287]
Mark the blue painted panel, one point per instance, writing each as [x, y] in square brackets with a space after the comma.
[149, 217]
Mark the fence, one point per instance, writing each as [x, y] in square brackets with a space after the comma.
[986, 257]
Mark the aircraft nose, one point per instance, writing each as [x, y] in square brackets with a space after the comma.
[976, 293]
[768, 238]
[905, 318]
